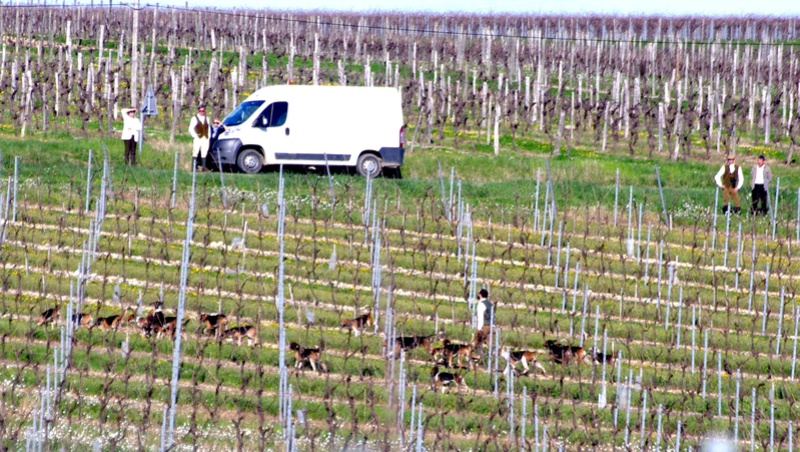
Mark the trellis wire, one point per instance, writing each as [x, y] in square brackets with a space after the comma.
[628, 407]
[176, 355]
[601, 398]
[175, 181]
[441, 183]
[714, 223]
[705, 361]
[524, 418]
[583, 315]
[794, 347]
[752, 275]
[536, 205]
[766, 295]
[450, 202]
[694, 330]
[753, 420]
[419, 428]
[680, 311]
[727, 237]
[643, 416]
[493, 369]
[510, 405]
[558, 253]
[736, 406]
[719, 383]
[367, 201]
[279, 299]
[775, 207]
[616, 197]
[780, 325]
[661, 194]
[658, 420]
[88, 182]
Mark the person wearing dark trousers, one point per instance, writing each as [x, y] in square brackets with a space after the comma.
[217, 128]
[760, 177]
[484, 321]
[131, 127]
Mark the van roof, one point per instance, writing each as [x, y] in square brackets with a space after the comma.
[270, 92]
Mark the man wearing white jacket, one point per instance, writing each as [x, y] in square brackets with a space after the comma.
[730, 179]
[131, 127]
[199, 130]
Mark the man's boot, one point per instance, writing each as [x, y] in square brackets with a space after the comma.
[203, 164]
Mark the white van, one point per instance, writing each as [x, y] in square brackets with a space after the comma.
[314, 125]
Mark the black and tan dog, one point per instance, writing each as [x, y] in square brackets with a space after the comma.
[311, 355]
[49, 316]
[449, 349]
[565, 354]
[521, 356]
[212, 323]
[441, 380]
[82, 319]
[156, 322]
[358, 324]
[406, 343]
[241, 332]
[114, 321]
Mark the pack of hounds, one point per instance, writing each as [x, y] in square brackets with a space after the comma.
[466, 355]
[155, 323]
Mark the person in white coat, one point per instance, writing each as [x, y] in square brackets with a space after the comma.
[131, 127]
[199, 129]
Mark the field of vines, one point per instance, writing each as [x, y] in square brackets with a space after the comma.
[687, 316]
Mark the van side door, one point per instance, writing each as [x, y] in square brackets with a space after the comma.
[274, 134]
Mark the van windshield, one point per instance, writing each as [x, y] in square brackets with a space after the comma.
[242, 112]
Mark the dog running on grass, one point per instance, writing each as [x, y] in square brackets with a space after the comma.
[441, 380]
[212, 323]
[49, 316]
[240, 332]
[411, 342]
[448, 350]
[311, 355]
[114, 321]
[600, 357]
[82, 319]
[521, 356]
[358, 324]
[565, 354]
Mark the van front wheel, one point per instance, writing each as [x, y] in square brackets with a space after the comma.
[368, 165]
[249, 161]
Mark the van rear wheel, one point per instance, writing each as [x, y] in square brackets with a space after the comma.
[249, 161]
[369, 165]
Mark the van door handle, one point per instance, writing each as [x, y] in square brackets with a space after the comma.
[287, 131]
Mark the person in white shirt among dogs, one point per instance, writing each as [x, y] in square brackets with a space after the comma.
[760, 177]
[730, 179]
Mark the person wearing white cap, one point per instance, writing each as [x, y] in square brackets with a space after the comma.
[199, 130]
[131, 127]
[730, 179]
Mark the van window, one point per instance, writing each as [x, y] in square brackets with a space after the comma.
[275, 115]
[242, 112]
